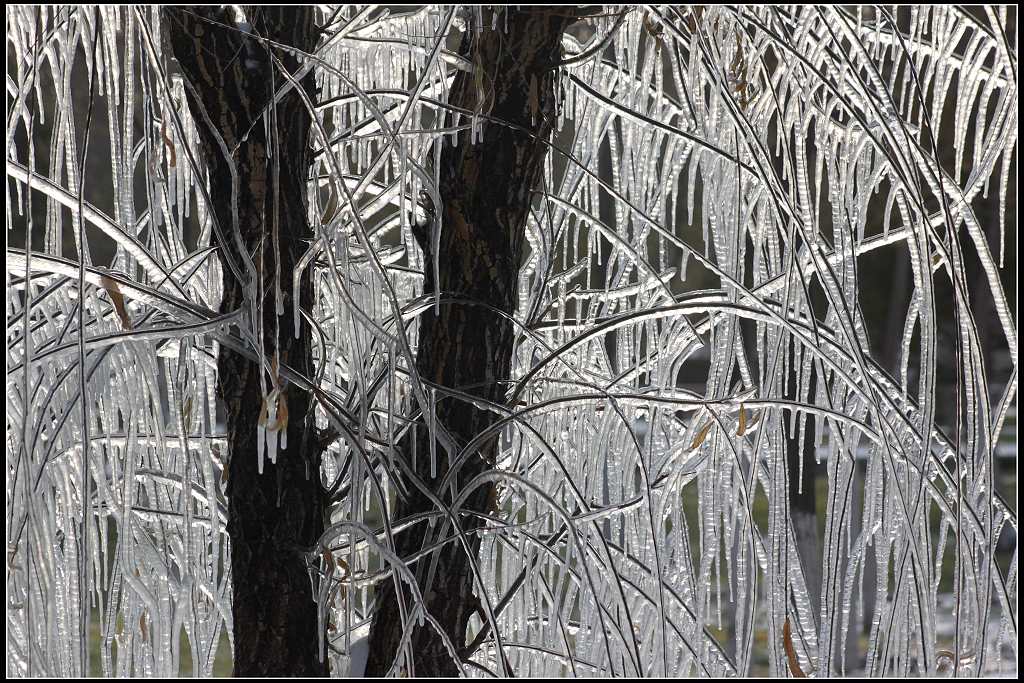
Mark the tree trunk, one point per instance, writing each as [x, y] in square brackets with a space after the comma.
[277, 515]
[486, 192]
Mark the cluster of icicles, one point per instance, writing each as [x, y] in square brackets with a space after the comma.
[711, 169]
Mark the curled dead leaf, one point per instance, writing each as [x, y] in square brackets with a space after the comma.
[186, 414]
[282, 413]
[701, 435]
[117, 299]
[263, 413]
[172, 156]
[342, 589]
[791, 658]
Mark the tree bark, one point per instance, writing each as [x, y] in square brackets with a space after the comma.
[277, 515]
[486, 192]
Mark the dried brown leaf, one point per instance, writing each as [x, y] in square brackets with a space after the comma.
[282, 413]
[186, 414]
[172, 156]
[787, 643]
[117, 299]
[701, 435]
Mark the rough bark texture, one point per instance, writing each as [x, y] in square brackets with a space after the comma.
[274, 516]
[486, 191]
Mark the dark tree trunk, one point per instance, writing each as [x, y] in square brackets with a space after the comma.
[486, 192]
[276, 515]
